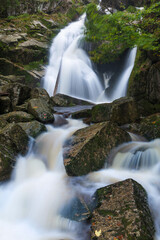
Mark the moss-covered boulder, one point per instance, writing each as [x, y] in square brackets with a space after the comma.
[15, 117]
[122, 212]
[40, 93]
[121, 111]
[62, 100]
[13, 141]
[41, 110]
[89, 147]
[148, 127]
[33, 128]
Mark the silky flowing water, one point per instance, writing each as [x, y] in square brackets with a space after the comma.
[33, 202]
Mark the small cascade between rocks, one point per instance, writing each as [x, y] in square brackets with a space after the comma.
[139, 161]
[70, 71]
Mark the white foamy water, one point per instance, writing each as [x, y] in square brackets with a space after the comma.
[30, 204]
[141, 162]
[70, 70]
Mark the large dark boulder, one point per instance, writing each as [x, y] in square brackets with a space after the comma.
[89, 147]
[122, 212]
[121, 111]
[13, 141]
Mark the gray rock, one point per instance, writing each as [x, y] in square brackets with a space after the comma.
[41, 110]
[122, 212]
[62, 100]
[33, 128]
[32, 43]
[40, 92]
[89, 147]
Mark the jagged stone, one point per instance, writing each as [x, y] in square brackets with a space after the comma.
[10, 39]
[41, 110]
[121, 111]
[33, 128]
[122, 212]
[89, 147]
[32, 43]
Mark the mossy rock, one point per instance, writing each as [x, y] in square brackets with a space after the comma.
[13, 141]
[122, 212]
[89, 147]
[41, 110]
[61, 100]
[121, 111]
[148, 127]
[33, 128]
[17, 116]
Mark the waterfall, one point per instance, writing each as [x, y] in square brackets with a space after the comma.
[32, 202]
[70, 66]
[70, 71]
[141, 162]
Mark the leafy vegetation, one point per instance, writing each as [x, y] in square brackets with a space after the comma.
[112, 34]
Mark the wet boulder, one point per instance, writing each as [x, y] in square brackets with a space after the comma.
[62, 100]
[86, 113]
[122, 212]
[148, 127]
[89, 147]
[13, 141]
[41, 110]
[33, 128]
[121, 111]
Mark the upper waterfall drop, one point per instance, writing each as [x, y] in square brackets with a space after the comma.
[70, 70]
